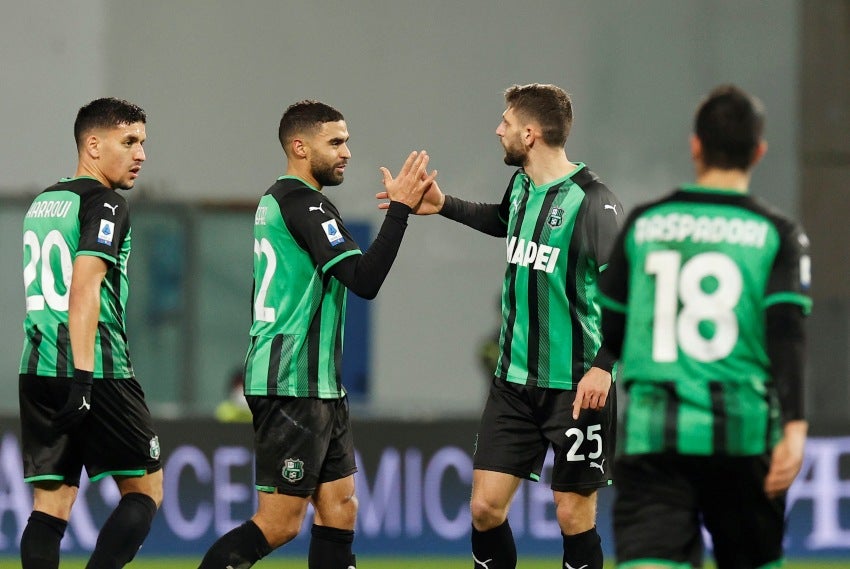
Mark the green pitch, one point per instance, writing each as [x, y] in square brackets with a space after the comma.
[382, 562]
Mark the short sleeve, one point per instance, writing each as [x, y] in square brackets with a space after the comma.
[316, 225]
[104, 223]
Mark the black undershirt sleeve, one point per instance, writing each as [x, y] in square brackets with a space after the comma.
[613, 331]
[786, 347]
[364, 274]
[604, 359]
[481, 216]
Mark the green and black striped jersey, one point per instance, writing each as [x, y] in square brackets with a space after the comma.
[694, 274]
[558, 239]
[299, 309]
[78, 216]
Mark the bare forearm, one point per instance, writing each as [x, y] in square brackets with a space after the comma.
[83, 314]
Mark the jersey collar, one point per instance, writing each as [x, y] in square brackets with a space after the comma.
[711, 190]
[532, 187]
[302, 180]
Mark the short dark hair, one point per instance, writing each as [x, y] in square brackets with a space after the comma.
[106, 113]
[729, 125]
[549, 105]
[305, 116]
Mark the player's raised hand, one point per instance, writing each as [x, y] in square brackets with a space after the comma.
[592, 390]
[412, 182]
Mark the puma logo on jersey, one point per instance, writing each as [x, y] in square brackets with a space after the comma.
[530, 254]
[111, 207]
[568, 566]
[612, 207]
[86, 405]
[598, 465]
[482, 563]
[316, 207]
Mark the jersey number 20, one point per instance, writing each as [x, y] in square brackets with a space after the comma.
[40, 252]
[676, 327]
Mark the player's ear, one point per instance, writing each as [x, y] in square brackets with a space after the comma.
[299, 148]
[530, 133]
[696, 148]
[759, 152]
[91, 146]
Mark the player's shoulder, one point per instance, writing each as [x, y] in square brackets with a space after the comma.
[783, 222]
[291, 191]
[592, 185]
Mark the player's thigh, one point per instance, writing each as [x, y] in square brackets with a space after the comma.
[509, 439]
[279, 516]
[48, 455]
[655, 514]
[54, 498]
[575, 511]
[584, 447]
[149, 484]
[120, 437]
[746, 526]
[335, 504]
[292, 439]
[492, 492]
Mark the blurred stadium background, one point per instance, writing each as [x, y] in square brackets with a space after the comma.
[214, 79]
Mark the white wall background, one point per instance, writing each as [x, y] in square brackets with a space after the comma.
[215, 76]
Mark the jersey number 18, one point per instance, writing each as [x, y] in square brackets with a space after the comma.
[678, 327]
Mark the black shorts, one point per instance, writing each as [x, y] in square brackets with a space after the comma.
[115, 439]
[300, 443]
[662, 498]
[520, 422]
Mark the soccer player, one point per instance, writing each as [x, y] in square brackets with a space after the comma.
[705, 296]
[304, 260]
[80, 403]
[559, 222]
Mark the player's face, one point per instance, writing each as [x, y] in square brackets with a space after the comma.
[329, 153]
[121, 154]
[510, 135]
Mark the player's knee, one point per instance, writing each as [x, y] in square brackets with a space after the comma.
[339, 513]
[575, 519]
[55, 500]
[279, 531]
[486, 515]
[348, 511]
[150, 485]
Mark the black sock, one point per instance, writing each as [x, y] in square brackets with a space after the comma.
[583, 549]
[239, 548]
[123, 533]
[40, 541]
[330, 548]
[494, 548]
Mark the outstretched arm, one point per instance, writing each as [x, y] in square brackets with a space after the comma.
[364, 274]
[481, 216]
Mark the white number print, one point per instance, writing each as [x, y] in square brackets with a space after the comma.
[673, 328]
[592, 435]
[262, 312]
[40, 252]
